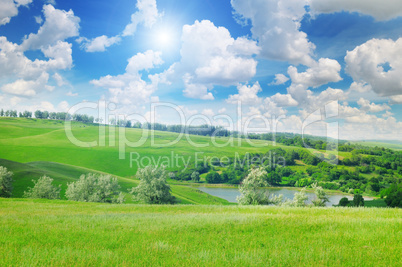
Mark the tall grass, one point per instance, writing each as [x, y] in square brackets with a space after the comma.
[38, 232]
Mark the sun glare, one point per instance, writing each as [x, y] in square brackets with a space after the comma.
[164, 38]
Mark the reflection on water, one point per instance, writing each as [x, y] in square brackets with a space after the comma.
[230, 194]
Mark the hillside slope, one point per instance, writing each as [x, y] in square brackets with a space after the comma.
[62, 174]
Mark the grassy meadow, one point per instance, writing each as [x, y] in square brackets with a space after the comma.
[213, 232]
[40, 232]
[29, 140]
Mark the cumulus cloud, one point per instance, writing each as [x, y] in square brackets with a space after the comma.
[69, 93]
[194, 90]
[31, 77]
[208, 112]
[98, 44]
[322, 72]
[38, 19]
[59, 25]
[9, 9]
[397, 99]
[210, 56]
[365, 105]
[247, 95]
[279, 79]
[276, 26]
[381, 10]
[59, 80]
[147, 15]
[367, 64]
[60, 56]
[129, 89]
[284, 100]
[360, 87]
[28, 88]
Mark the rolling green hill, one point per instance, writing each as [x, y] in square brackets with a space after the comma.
[62, 174]
[28, 140]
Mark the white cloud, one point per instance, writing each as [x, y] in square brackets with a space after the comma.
[397, 99]
[208, 112]
[9, 9]
[365, 105]
[192, 90]
[38, 19]
[308, 102]
[210, 56]
[63, 106]
[59, 80]
[31, 77]
[247, 95]
[276, 24]
[60, 56]
[147, 15]
[279, 79]
[28, 88]
[271, 108]
[360, 87]
[366, 65]
[379, 9]
[59, 25]
[322, 72]
[222, 110]
[284, 100]
[98, 44]
[129, 89]
[71, 94]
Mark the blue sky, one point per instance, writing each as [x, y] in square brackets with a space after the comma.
[282, 59]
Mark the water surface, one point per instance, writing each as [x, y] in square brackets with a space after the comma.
[230, 194]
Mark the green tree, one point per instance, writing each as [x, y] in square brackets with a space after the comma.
[300, 198]
[252, 192]
[320, 196]
[343, 202]
[6, 182]
[358, 200]
[95, 188]
[213, 178]
[195, 176]
[153, 188]
[43, 188]
[394, 196]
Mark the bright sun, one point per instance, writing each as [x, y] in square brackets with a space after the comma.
[164, 38]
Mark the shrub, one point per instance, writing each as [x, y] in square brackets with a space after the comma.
[321, 196]
[251, 192]
[195, 176]
[343, 202]
[358, 200]
[394, 196]
[213, 178]
[95, 188]
[6, 182]
[43, 188]
[153, 188]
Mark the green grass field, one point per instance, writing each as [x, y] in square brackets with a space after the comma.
[62, 174]
[213, 232]
[55, 233]
[29, 140]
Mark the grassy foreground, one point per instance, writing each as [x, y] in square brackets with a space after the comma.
[39, 232]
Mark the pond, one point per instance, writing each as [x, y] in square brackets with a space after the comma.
[230, 194]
